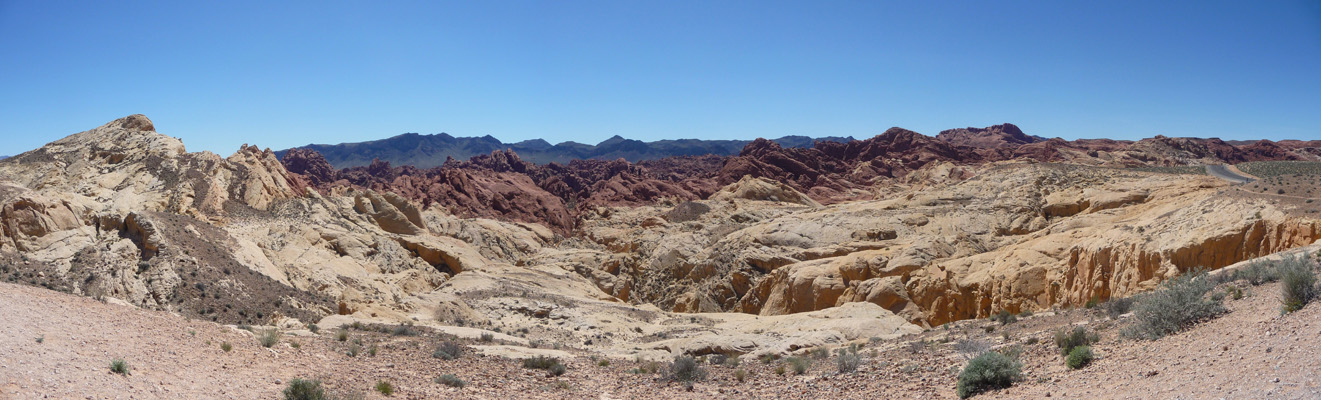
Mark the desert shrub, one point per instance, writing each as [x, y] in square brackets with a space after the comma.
[119, 366]
[1092, 302]
[988, 371]
[448, 350]
[451, 381]
[1179, 304]
[1079, 357]
[1005, 317]
[304, 389]
[226, 346]
[820, 353]
[342, 334]
[1116, 307]
[1297, 284]
[1257, 273]
[269, 337]
[41, 339]
[371, 351]
[1066, 340]
[1033, 340]
[740, 374]
[847, 360]
[798, 364]
[550, 364]
[779, 369]
[403, 330]
[767, 358]
[313, 328]
[385, 387]
[603, 363]
[487, 337]
[686, 369]
[970, 348]
[353, 350]
[732, 362]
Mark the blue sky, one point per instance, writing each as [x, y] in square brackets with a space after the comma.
[283, 74]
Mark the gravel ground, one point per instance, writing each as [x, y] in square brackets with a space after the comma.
[1251, 352]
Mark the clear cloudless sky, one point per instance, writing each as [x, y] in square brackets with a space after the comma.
[286, 73]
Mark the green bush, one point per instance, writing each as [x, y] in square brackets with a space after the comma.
[1116, 307]
[1180, 303]
[799, 364]
[1005, 317]
[451, 381]
[448, 351]
[226, 346]
[313, 328]
[1079, 357]
[1067, 340]
[847, 360]
[385, 387]
[304, 389]
[686, 369]
[119, 366]
[989, 371]
[1297, 283]
[1257, 273]
[269, 337]
[550, 364]
[342, 334]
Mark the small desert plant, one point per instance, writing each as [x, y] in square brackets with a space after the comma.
[740, 374]
[847, 360]
[226, 346]
[779, 369]
[371, 351]
[1005, 317]
[1116, 307]
[119, 366]
[385, 387]
[1033, 340]
[1176, 306]
[342, 334]
[41, 339]
[820, 353]
[403, 330]
[304, 389]
[487, 337]
[971, 348]
[1297, 284]
[686, 369]
[989, 371]
[767, 358]
[550, 364]
[1257, 273]
[353, 350]
[451, 381]
[1066, 340]
[603, 363]
[799, 364]
[269, 337]
[313, 328]
[1079, 357]
[447, 351]
[1092, 302]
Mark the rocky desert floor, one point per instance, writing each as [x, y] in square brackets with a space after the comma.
[58, 345]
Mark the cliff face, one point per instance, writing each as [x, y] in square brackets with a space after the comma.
[1012, 237]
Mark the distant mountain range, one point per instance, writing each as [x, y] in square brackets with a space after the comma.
[426, 151]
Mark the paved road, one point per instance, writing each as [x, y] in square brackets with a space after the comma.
[1220, 171]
